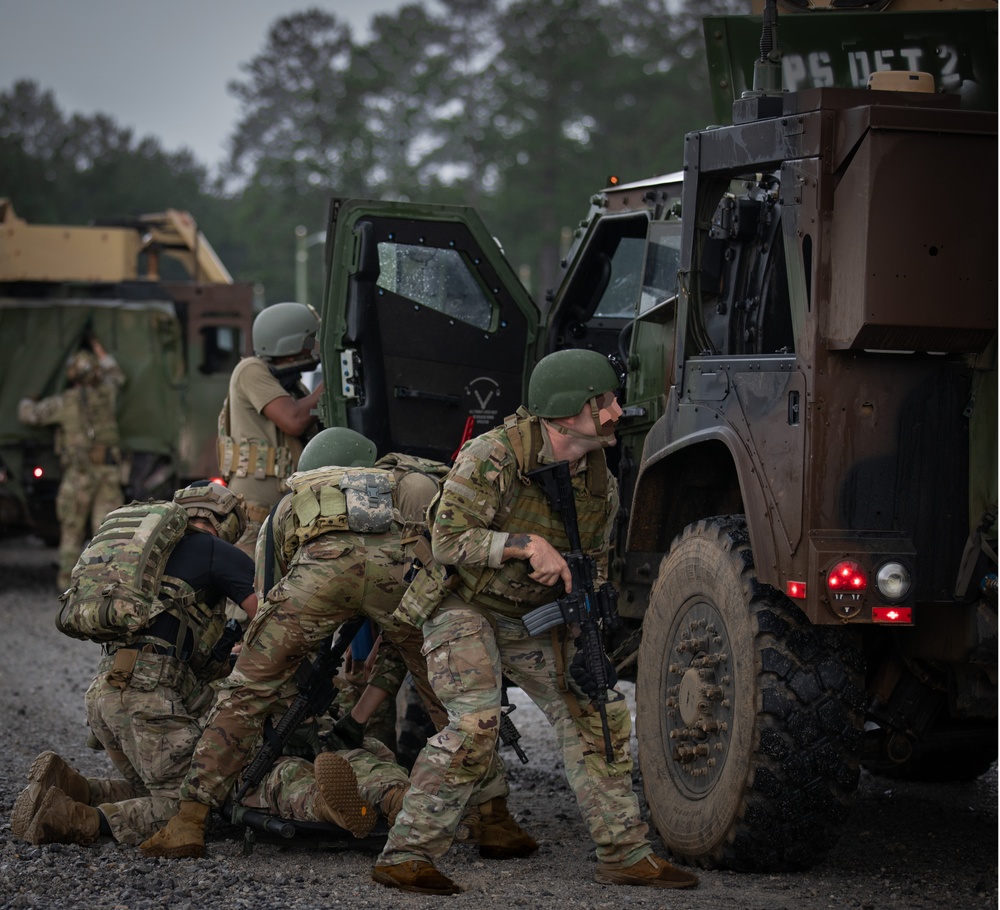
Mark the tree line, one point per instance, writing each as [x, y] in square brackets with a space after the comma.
[521, 109]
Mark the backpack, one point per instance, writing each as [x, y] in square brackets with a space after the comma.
[114, 586]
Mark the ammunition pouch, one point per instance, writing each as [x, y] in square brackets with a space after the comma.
[253, 458]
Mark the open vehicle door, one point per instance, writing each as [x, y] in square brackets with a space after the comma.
[426, 330]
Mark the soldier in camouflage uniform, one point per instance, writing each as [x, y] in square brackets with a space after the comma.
[498, 532]
[268, 412]
[148, 701]
[334, 572]
[88, 446]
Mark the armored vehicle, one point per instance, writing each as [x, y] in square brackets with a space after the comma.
[154, 293]
[807, 313]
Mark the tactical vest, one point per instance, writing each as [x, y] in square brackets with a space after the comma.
[337, 499]
[524, 509]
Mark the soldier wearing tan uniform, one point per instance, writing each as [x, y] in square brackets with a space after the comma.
[268, 412]
[88, 446]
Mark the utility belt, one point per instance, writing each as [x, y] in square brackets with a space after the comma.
[144, 668]
[253, 458]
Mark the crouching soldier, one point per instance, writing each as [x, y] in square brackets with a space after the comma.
[152, 690]
[344, 547]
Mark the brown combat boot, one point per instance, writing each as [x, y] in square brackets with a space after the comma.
[392, 802]
[52, 770]
[650, 871]
[500, 837]
[61, 820]
[184, 835]
[47, 771]
[418, 876]
[340, 802]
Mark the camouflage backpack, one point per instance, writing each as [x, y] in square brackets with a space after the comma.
[114, 586]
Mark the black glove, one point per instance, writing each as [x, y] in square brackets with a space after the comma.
[582, 675]
[348, 733]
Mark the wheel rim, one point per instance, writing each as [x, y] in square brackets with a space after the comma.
[699, 689]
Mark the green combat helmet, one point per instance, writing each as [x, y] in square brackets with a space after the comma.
[284, 329]
[219, 505]
[337, 447]
[563, 382]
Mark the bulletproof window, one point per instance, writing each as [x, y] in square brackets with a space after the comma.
[437, 278]
[663, 258]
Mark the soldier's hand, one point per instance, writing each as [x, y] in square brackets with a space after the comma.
[547, 564]
[348, 733]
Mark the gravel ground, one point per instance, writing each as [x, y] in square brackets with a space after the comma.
[907, 846]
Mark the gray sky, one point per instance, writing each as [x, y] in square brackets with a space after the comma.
[159, 67]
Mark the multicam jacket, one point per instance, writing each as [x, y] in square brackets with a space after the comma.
[487, 497]
[85, 415]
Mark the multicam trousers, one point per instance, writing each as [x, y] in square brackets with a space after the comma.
[149, 727]
[331, 580]
[85, 494]
[150, 736]
[289, 790]
[467, 652]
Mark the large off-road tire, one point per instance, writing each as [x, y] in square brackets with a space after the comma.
[749, 718]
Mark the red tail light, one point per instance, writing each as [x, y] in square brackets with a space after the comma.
[848, 576]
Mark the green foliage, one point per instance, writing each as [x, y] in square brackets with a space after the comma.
[521, 109]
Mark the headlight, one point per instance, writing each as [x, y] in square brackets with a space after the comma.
[893, 581]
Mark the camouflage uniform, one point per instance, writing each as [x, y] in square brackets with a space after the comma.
[330, 578]
[147, 706]
[89, 451]
[475, 635]
[289, 789]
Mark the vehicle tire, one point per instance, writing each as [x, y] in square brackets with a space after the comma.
[749, 718]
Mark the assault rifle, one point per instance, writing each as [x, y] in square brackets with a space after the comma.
[316, 692]
[592, 609]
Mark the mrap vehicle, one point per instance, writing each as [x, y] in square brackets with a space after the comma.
[807, 314]
[151, 289]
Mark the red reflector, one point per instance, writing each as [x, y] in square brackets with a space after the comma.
[37, 472]
[892, 614]
[796, 589]
[219, 481]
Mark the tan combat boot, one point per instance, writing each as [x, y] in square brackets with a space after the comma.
[61, 820]
[340, 802]
[650, 871]
[184, 835]
[47, 771]
[417, 876]
[392, 802]
[500, 837]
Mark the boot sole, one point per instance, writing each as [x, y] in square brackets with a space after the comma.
[338, 788]
[51, 770]
[25, 808]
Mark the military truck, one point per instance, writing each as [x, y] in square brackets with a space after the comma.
[806, 551]
[155, 294]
